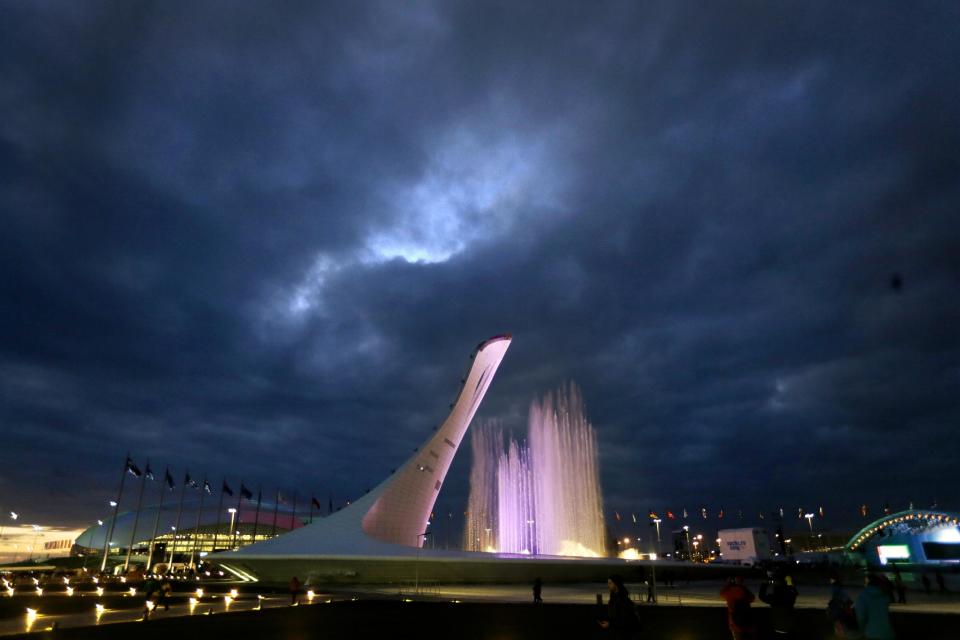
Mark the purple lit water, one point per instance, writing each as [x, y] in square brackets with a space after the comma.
[543, 497]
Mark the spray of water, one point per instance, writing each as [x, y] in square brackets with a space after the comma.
[541, 498]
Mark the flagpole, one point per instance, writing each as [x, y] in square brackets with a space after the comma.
[256, 518]
[176, 526]
[156, 521]
[233, 534]
[216, 531]
[276, 508]
[113, 520]
[196, 529]
[136, 517]
[293, 520]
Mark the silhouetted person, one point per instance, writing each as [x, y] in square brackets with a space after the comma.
[781, 595]
[622, 620]
[166, 590]
[650, 596]
[739, 615]
[941, 585]
[926, 583]
[900, 588]
[294, 589]
[537, 590]
[873, 610]
[840, 609]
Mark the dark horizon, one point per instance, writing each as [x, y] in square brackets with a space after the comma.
[262, 243]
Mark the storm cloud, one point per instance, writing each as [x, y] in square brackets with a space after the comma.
[261, 240]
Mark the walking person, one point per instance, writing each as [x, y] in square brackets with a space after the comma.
[781, 595]
[739, 614]
[166, 591]
[873, 610]
[537, 590]
[294, 589]
[840, 610]
[900, 588]
[622, 621]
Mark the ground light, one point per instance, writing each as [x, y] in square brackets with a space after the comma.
[31, 618]
[132, 591]
[99, 591]
[199, 593]
[310, 595]
[193, 604]
[98, 611]
[226, 602]
[234, 593]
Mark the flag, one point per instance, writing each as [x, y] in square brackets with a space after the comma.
[132, 468]
[886, 508]
[761, 515]
[634, 516]
[781, 511]
[703, 512]
[168, 478]
[314, 502]
[652, 515]
[616, 514]
[820, 512]
[684, 514]
[863, 510]
[800, 513]
[245, 493]
[670, 515]
[148, 474]
[190, 482]
[206, 487]
[226, 489]
[720, 513]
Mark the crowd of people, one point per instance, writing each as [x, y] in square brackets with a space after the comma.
[866, 617]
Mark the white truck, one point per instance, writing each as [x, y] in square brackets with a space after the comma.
[744, 546]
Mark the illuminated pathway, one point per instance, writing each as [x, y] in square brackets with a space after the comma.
[209, 605]
[701, 595]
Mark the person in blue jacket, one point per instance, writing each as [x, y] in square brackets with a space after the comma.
[873, 610]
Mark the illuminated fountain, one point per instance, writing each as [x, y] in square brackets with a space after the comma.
[542, 498]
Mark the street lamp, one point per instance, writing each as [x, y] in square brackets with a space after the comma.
[416, 566]
[233, 513]
[809, 517]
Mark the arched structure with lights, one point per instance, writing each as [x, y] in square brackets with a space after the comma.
[915, 536]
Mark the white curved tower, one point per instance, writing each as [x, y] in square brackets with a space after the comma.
[392, 518]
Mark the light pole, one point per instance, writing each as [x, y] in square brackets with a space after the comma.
[653, 566]
[809, 517]
[233, 514]
[36, 532]
[416, 566]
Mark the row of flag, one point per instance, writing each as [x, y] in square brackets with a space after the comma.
[778, 514]
[225, 488]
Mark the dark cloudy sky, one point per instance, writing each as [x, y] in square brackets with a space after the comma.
[261, 239]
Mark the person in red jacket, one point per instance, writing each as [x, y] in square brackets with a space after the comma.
[739, 615]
